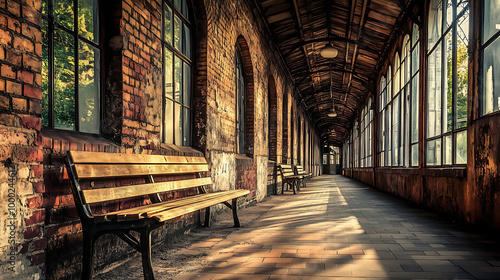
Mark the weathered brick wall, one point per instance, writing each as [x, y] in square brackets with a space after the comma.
[22, 242]
[47, 227]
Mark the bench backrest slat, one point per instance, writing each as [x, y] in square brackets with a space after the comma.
[94, 158]
[86, 171]
[286, 170]
[108, 194]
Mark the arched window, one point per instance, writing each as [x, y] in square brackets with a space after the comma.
[71, 63]
[396, 113]
[240, 104]
[177, 63]
[447, 82]
[382, 105]
[491, 53]
[388, 119]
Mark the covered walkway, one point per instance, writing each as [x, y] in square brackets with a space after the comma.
[336, 228]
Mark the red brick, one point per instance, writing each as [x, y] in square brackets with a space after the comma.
[14, 88]
[20, 104]
[32, 62]
[32, 232]
[13, 57]
[23, 44]
[5, 37]
[29, 154]
[39, 187]
[32, 32]
[31, 122]
[14, 25]
[35, 107]
[32, 92]
[25, 76]
[35, 4]
[7, 72]
[35, 202]
[38, 259]
[4, 102]
[36, 217]
[2, 85]
[2, 53]
[37, 170]
[38, 80]
[14, 8]
[38, 49]
[31, 14]
[9, 120]
[40, 244]
[63, 201]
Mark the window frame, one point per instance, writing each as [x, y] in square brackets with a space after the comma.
[52, 26]
[446, 29]
[184, 59]
[240, 104]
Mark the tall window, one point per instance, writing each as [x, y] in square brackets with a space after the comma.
[240, 104]
[177, 62]
[71, 63]
[382, 104]
[447, 78]
[396, 156]
[366, 135]
[491, 52]
[415, 100]
[356, 144]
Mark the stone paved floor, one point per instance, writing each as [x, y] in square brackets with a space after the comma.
[336, 228]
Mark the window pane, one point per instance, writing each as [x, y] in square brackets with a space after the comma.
[63, 13]
[449, 13]
[167, 21]
[396, 78]
[395, 130]
[178, 79]
[169, 86]
[461, 4]
[168, 128]
[435, 22]
[187, 85]
[45, 74]
[461, 155]
[414, 155]
[491, 73]
[388, 143]
[177, 33]
[187, 41]
[434, 152]
[434, 93]
[88, 88]
[462, 70]
[88, 20]
[389, 84]
[415, 60]
[64, 80]
[178, 124]
[185, 10]
[491, 20]
[448, 149]
[414, 110]
[448, 82]
[414, 35]
[178, 4]
[187, 127]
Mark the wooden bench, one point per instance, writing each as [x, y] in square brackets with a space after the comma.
[143, 219]
[288, 177]
[299, 170]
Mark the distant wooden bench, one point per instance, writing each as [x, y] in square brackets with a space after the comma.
[299, 170]
[288, 177]
[142, 219]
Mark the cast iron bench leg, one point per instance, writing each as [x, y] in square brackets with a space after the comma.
[207, 217]
[234, 207]
[88, 252]
[146, 254]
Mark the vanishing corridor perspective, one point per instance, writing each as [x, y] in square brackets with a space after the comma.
[128, 125]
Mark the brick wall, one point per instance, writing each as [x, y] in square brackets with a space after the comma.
[47, 228]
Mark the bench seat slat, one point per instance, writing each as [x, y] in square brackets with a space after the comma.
[87, 171]
[179, 211]
[108, 194]
[151, 209]
[93, 157]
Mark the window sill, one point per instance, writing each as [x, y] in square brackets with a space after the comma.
[242, 157]
[181, 150]
[458, 171]
[78, 138]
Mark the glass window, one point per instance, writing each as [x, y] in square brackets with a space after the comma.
[415, 100]
[240, 105]
[447, 84]
[491, 53]
[71, 66]
[177, 84]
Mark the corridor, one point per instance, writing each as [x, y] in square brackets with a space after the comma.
[336, 228]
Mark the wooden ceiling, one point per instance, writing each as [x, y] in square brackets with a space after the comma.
[360, 30]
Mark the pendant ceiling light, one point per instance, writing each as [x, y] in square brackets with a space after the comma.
[329, 51]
